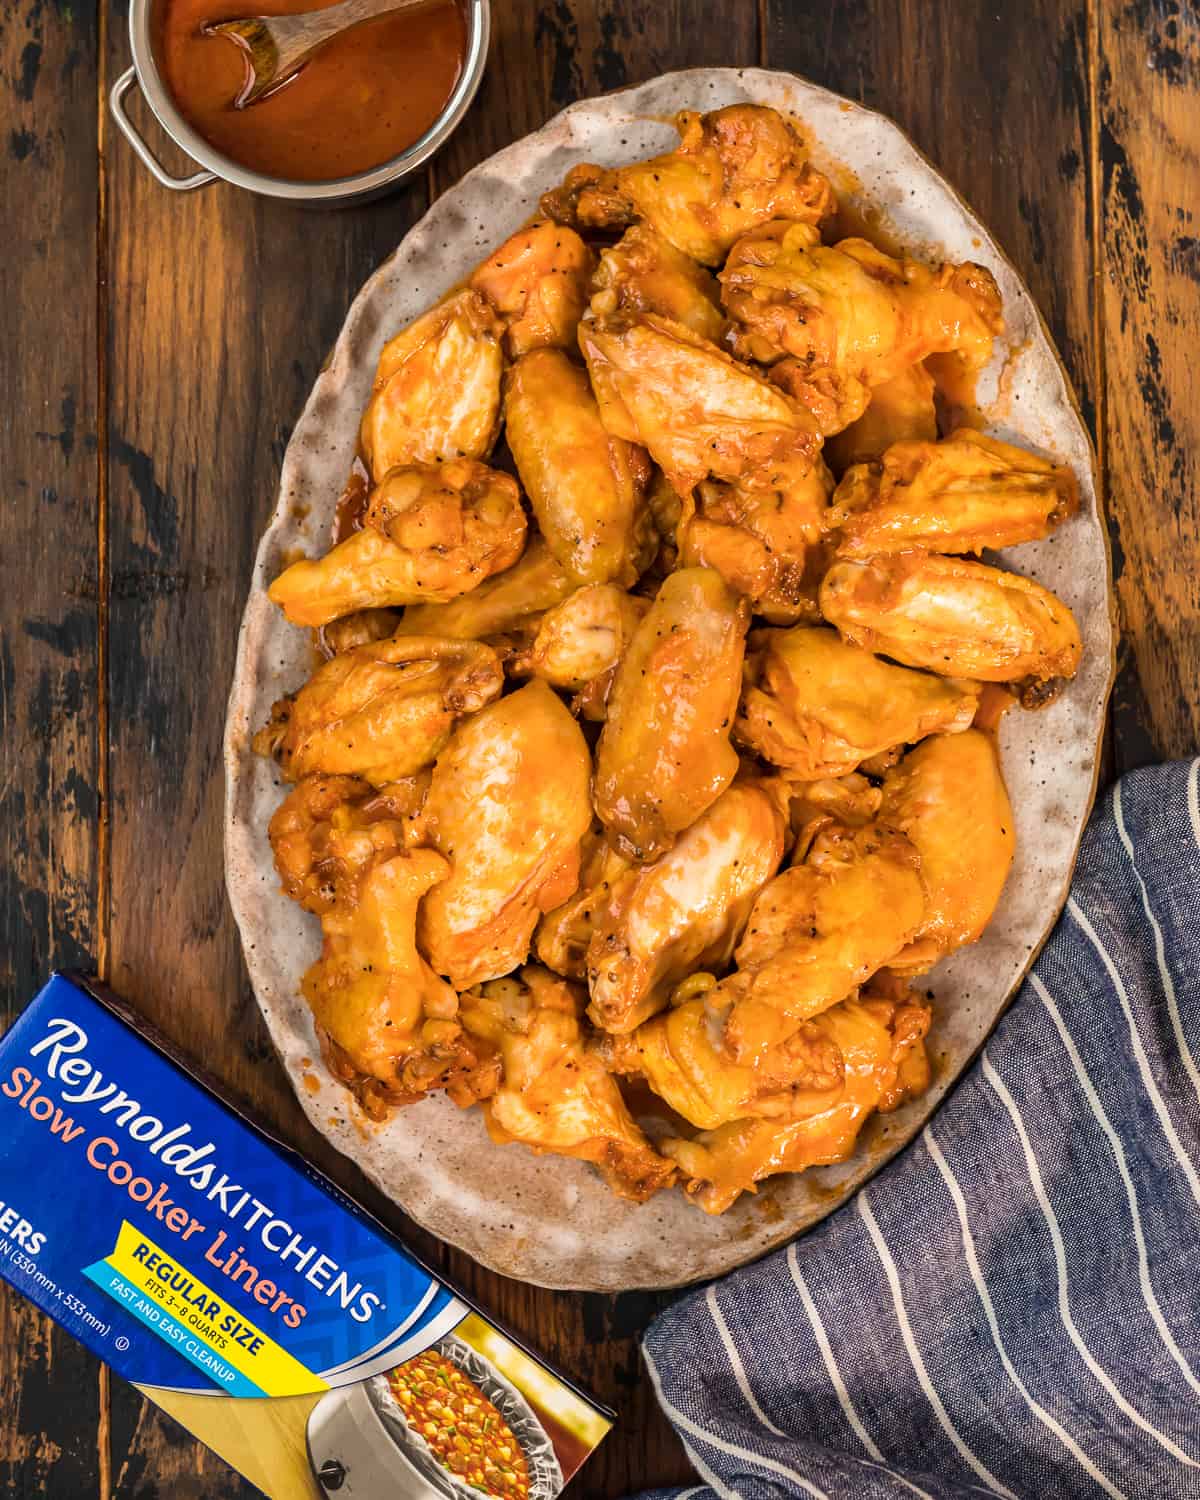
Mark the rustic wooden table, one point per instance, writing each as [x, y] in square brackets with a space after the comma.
[157, 348]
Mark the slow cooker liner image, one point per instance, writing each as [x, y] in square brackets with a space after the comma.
[544, 1476]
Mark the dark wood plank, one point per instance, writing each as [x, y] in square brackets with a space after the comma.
[546, 55]
[1147, 83]
[48, 639]
[222, 307]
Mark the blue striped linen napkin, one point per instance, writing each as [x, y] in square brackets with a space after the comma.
[1012, 1307]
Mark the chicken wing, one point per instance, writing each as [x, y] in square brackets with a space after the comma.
[698, 411]
[849, 799]
[878, 1042]
[644, 273]
[564, 934]
[761, 541]
[961, 495]
[848, 318]
[948, 797]
[681, 1060]
[431, 533]
[687, 909]
[388, 1023]
[508, 805]
[590, 198]
[733, 169]
[437, 388]
[901, 410]
[816, 933]
[361, 628]
[538, 283]
[962, 619]
[316, 834]
[388, 1015]
[580, 641]
[556, 1095]
[817, 706]
[510, 599]
[664, 753]
[587, 488]
[380, 711]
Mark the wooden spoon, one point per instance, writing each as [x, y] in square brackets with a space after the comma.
[276, 47]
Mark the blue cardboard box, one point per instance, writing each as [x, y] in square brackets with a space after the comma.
[239, 1289]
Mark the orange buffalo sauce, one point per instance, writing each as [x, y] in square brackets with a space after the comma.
[362, 99]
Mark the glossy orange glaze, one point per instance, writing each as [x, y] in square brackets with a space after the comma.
[361, 100]
[957, 402]
[994, 702]
[352, 503]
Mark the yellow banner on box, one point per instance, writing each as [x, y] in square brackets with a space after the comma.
[208, 1318]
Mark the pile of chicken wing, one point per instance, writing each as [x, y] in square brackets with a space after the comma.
[651, 761]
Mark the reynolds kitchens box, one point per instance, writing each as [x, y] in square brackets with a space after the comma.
[241, 1291]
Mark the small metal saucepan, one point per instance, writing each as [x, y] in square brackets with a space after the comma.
[146, 74]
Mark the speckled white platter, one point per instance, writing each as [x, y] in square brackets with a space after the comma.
[544, 1219]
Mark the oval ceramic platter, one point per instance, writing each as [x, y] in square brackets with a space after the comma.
[547, 1219]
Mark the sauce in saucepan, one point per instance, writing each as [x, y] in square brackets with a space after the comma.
[359, 101]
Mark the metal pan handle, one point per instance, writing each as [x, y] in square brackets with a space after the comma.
[116, 102]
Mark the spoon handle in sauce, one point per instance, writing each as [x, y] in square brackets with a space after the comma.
[276, 47]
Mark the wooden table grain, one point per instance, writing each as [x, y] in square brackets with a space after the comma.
[158, 346]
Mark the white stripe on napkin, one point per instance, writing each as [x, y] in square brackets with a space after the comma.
[914, 1354]
[1139, 1051]
[835, 1375]
[732, 1449]
[989, 1310]
[735, 1364]
[1139, 1239]
[1060, 1260]
[1160, 954]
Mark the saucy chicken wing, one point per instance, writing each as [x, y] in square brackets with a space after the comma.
[315, 833]
[961, 495]
[816, 933]
[508, 805]
[732, 169]
[883, 1056]
[962, 619]
[948, 797]
[762, 541]
[687, 909]
[587, 488]
[664, 753]
[817, 706]
[565, 934]
[696, 409]
[848, 318]
[431, 533]
[538, 283]
[643, 273]
[380, 711]
[849, 799]
[580, 642]
[900, 410]
[388, 1023]
[361, 628]
[531, 586]
[437, 388]
[677, 1055]
[556, 1095]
